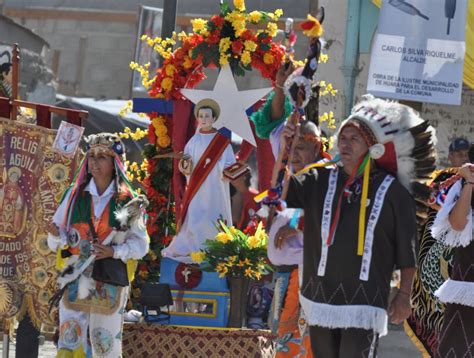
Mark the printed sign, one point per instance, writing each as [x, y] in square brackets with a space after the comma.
[418, 52]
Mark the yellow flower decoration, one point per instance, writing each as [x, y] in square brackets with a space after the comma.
[167, 84]
[134, 166]
[272, 29]
[158, 120]
[250, 45]
[258, 275]
[239, 5]
[268, 58]
[164, 141]
[237, 20]
[198, 256]
[253, 242]
[188, 63]
[230, 263]
[262, 236]
[144, 165]
[182, 36]
[170, 70]
[161, 130]
[224, 44]
[199, 25]
[246, 58]
[224, 237]
[221, 269]
[248, 272]
[223, 59]
[255, 17]
[323, 58]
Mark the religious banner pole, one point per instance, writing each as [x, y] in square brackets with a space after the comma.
[169, 20]
[28, 161]
[15, 80]
[298, 90]
[15, 77]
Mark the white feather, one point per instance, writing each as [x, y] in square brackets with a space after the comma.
[64, 279]
[122, 215]
[86, 286]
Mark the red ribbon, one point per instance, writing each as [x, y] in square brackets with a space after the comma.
[337, 214]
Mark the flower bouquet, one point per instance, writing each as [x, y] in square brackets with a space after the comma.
[239, 256]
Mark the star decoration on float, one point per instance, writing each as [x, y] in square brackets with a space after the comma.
[232, 102]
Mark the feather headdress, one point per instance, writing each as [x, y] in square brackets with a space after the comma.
[401, 142]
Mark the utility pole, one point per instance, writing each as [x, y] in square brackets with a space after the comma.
[169, 20]
[313, 7]
[169, 17]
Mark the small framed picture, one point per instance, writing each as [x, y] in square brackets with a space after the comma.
[67, 139]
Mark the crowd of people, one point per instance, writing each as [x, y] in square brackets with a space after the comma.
[346, 224]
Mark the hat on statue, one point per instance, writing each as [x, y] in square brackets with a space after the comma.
[207, 103]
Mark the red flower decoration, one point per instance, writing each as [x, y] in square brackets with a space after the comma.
[218, 21]
[237, 47]
[165, 240]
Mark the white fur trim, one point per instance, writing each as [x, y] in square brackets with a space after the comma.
[135, 242]
[442, 230]
[86, 286]
[345, 316]
[119, 237]
[460, 292]
[64, 279]
[54, 242]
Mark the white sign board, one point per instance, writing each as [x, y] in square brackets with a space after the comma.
[418, 52]
[67, 139]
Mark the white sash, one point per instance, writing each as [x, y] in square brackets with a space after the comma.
[326, 220]
[373, 219]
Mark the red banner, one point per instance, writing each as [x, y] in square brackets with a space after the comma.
[32, 180]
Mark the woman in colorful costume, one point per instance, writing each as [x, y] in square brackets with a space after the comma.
[453, 227]
[99, 224]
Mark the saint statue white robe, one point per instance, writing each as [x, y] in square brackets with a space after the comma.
[211, 202]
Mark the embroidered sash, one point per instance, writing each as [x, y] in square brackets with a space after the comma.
[373, 219]
[326, 220]
[201, 171]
